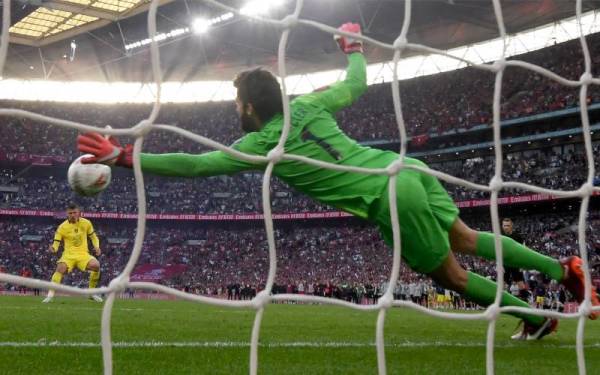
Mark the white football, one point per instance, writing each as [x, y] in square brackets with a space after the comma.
[88, 179]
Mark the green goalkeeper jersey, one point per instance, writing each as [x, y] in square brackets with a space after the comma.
[315, 134]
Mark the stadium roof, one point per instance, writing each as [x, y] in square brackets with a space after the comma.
[56, 20]
[102, 35]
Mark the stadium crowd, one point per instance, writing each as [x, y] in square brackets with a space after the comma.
[348, 261]
[549, 168]
[343, 261]
[431, 105]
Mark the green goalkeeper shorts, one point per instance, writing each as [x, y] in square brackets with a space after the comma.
[425, 212]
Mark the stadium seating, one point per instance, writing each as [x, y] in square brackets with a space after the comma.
[327, 261]
[347, 255]
[431, 105]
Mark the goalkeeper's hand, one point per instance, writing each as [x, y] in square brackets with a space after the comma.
[346, 44]
[105, 150]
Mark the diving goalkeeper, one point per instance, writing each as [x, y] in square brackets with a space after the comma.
[431, 229]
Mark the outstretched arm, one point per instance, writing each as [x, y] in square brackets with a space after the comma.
[344, 93]
[109, 151]
[188, 165]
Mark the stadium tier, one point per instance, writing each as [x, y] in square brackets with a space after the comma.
[27, 184]
[450, 172]
[448, 102]
[206, 261]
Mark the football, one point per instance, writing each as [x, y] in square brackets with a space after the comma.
[88, 179]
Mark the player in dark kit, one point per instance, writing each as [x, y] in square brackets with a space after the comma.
[428, 217]
[515, 275]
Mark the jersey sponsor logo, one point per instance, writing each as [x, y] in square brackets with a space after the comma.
[76, 239]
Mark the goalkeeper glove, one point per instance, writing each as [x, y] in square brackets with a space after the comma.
[346, 44]
[105, 150]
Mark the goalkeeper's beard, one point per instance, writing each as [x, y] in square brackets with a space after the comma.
[249, 123]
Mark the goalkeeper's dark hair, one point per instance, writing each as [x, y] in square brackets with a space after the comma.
[73, 206]
[260, 88]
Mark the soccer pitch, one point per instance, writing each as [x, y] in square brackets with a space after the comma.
[175, 337]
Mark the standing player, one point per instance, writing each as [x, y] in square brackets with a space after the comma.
[428, 217]
[514, 274]
[74, 232]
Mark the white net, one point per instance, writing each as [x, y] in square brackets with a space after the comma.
[277, 154]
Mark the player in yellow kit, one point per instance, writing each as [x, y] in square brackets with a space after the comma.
[74, 232]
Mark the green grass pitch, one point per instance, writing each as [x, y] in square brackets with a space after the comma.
[175, 337]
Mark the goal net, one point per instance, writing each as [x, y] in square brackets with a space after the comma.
[399, 46]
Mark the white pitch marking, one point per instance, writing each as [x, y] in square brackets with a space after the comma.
[241, 344]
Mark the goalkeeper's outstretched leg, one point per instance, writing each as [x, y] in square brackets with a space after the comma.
[566, 271]
[482, 291]
[431, 231]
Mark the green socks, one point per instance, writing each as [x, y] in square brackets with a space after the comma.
[518, 256]
[483, 291]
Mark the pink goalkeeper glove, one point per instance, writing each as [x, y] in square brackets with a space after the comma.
[346, 44]
[106, 151]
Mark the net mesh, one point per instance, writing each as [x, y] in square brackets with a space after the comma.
[401, 44]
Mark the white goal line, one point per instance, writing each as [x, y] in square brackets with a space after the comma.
[300, 344]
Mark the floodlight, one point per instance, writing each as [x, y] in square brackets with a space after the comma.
[259, 7]
[200, 25]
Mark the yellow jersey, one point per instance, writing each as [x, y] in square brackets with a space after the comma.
[75, 237]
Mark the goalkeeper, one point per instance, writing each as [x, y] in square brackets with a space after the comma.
[431, 229]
